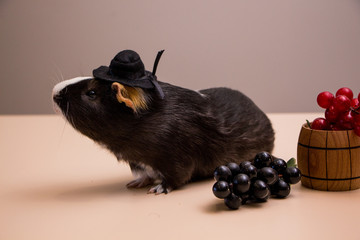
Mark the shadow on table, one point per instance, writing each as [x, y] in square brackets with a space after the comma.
[71, 191]
[103, 189]
[218, 205]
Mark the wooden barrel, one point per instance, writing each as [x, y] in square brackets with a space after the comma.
[329, 160]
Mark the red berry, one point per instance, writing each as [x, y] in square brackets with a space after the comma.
[324, 99]
[319, 124]
[354, 103]
[341, 103]
[346, 120]
[331, 114]
[345, 91]
[335, 127]
[357, 130]
[356, 120]
[359, 97]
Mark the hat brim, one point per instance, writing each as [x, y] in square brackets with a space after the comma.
[102, 73]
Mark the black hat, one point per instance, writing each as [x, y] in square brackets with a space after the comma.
[128, 69]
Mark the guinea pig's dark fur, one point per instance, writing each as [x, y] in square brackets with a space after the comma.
[169, 141]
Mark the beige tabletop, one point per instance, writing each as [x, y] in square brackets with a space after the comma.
[58, 184]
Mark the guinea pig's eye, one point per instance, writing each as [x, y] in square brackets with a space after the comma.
[91, 94]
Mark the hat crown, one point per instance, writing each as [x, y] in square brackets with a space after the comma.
[127, 64]
[128, 69]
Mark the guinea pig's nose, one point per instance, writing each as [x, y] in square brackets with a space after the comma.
[57, 98]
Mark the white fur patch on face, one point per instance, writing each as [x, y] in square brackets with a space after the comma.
[61, 85]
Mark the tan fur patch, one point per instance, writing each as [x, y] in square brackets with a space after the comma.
[133, 98]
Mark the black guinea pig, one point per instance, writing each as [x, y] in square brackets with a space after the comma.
[169, 135]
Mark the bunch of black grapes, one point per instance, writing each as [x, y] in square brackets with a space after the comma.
[254, 181]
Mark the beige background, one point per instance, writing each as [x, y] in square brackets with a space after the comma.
[281, 53]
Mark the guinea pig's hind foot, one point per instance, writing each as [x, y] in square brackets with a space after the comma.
[160, 188]
[140, 182]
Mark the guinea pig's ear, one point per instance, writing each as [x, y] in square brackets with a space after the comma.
[133, 98]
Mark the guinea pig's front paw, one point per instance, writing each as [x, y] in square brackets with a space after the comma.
[140, 182]
[160, 188]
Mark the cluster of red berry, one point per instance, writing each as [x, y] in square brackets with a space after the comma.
[342, 111]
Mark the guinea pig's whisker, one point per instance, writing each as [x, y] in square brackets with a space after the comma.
[62, 133]
[67, 109]
[59, 75]
[56, 76]
[55, 79]
[72, 122]
[70, 119]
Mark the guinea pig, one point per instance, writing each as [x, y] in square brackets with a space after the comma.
[168, 135]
